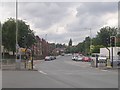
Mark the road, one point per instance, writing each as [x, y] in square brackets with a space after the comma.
[61, 73]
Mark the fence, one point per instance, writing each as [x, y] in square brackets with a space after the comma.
[10, 64]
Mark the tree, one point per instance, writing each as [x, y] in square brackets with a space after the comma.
[8, 35]
[70, 42]
[118, 39]
[104, 35]
[96, 49]
[87, 45]
[81, 47]
[25, 35]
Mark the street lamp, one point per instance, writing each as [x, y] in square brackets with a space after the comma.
[55, 41]
[45, 44]
[90, 37]
[18, 60]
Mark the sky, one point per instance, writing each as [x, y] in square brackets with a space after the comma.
[60, 21]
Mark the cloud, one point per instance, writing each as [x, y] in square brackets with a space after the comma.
[97, 8]
[94, 16]
[44, 14]
[62, 21]
[7, 10]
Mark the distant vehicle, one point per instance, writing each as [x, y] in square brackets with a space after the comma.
[79, 58]
[74, 57]
[53, 57]
[116, 62]
[69, 54]
[62, 54]
[86, 59]
[102, 58]
[48, 58]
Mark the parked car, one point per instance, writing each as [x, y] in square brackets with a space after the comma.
[102, 58]
[62, 54]
[69, 54]
[86, 59]
[48, 58]
[53, 57]
[79, 58]
[74, 57]
[115, 62]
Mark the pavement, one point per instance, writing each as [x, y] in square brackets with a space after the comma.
[61, 73]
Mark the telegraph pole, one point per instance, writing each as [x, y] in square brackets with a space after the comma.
[45, 44]
[18, 57]
[90, 39]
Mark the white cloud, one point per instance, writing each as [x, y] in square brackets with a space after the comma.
[62, 21]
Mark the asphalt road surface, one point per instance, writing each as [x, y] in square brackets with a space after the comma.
[61, 73]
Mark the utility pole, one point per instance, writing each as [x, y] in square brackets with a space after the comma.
[90, 39]
[90, 36]
[18, 57]
[45, 44]
[55, 42]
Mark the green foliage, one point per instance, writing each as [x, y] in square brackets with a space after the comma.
[58, 45]
[101, 40]
[8, 34]
[96, 49]
[105, 34]
[25, 35]
[72, 49]
[118, 40]
[81, 47]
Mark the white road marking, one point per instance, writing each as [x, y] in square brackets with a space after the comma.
[42, 72]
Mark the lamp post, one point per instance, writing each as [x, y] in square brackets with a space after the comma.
[90, 36]
[55, 42]
[18, 59]
[45, 44]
